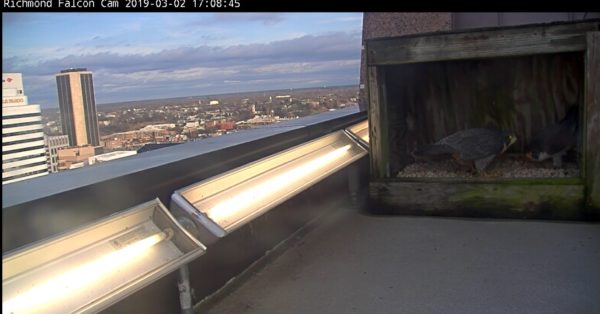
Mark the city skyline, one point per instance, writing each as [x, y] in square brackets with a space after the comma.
[161, 55]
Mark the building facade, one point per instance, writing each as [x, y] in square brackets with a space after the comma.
[78, 107]
[23, 147]
[111, 156]
[54, 143]
[74, 157]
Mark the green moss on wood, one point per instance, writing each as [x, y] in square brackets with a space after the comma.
[557, 200]
[476, 199]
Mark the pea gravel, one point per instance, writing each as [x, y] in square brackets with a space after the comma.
[508, 167]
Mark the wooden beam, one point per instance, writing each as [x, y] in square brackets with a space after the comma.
[513, 41]
[498, 200]
[378, 124]
[592, 122]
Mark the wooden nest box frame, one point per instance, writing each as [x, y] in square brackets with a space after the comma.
[521, 78]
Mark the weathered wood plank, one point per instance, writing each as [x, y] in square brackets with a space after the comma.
[514, 41]
[592, 116]
[553, 201]
[378, 125]
[429, 101]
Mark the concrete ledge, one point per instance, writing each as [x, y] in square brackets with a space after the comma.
[42, 207]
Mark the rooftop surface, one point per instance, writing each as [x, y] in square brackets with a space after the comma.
[352, 262]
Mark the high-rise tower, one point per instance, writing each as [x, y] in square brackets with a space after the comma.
[78, 106]
[23, 147]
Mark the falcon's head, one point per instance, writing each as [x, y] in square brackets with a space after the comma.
[509, 139]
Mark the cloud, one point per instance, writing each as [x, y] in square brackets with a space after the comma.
[268, 19]
[334, 46]
[342, 19]
[9, 19]
[121, 74]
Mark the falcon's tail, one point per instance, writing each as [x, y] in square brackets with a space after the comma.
[432, 150]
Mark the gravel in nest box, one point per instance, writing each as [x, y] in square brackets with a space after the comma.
[503, 167]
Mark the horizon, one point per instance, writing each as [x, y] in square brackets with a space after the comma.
[212, 95]
[142, 56]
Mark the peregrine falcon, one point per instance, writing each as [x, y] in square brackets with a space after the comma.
[479, 146]
[555, 140]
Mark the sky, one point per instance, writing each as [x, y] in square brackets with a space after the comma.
[137, 56]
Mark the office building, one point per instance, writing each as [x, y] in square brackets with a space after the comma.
[54, 143]
[23, 148]
[74, 157]
[111, 156]
[78, 107]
